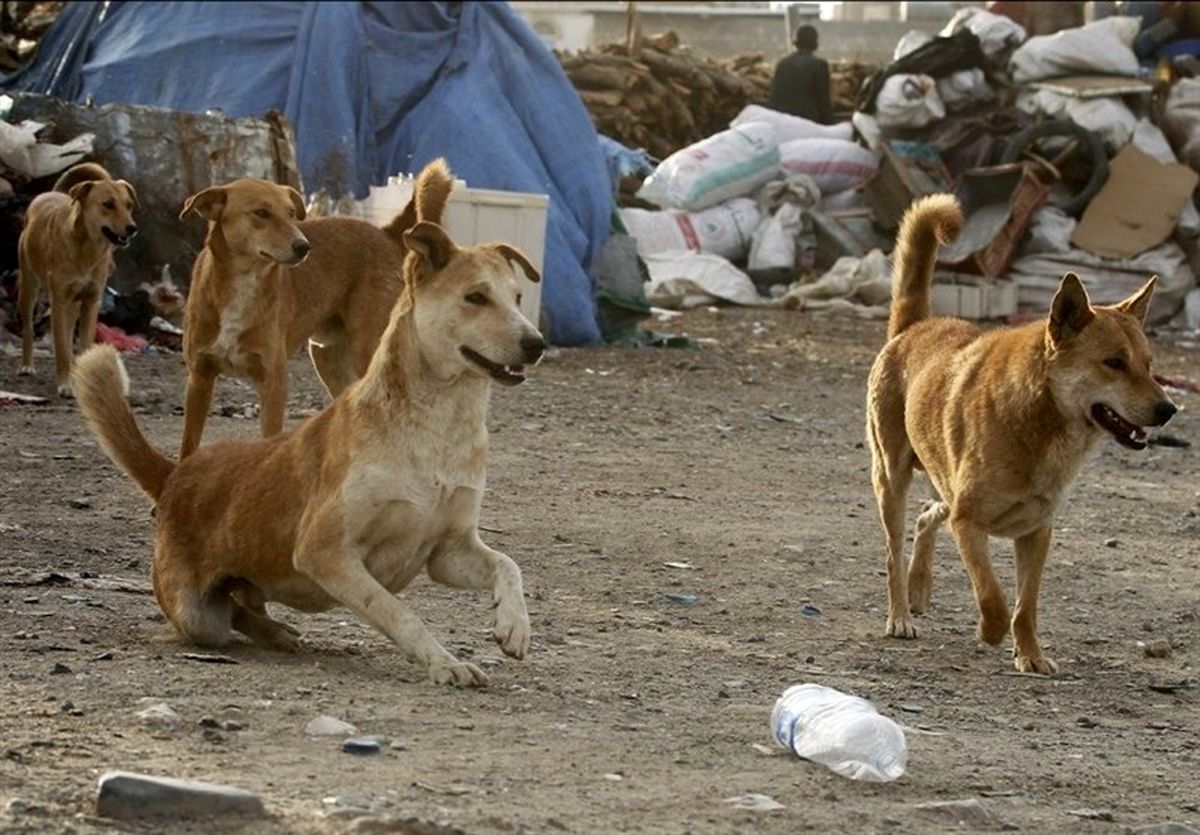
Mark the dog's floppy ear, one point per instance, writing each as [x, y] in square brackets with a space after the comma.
[1071, 309]
[431, 243]
[297, 202]
[512, 254]
[79, 191]
[129, 189]
[208, 203]
[1138, 305]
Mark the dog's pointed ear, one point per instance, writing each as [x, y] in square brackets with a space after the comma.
[1138, 305]
[129, 189]
[297, 202]
[431, 244]
[79, 191]
[1071, 309]
[514, 255]
[208, 203]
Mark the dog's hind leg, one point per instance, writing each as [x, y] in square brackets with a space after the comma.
[891, 471]
[202, 616]
[27, 291]
[993, 607]
[64, 314]
[920, 570]
[1031, 556]
[251, 619]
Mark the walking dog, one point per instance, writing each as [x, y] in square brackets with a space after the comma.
[1000, 422]
[267, 281]
[67, 246]
[350, 506]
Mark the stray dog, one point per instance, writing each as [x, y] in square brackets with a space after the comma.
[350, 506]
[252, 303]
[67, 245]
[1000, 422]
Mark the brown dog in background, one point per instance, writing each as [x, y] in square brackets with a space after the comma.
[1000, 421]
[67, 246]
[252, 303]
[353, 504]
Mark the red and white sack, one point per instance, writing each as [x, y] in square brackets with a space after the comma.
[834, 164]
[723, 230]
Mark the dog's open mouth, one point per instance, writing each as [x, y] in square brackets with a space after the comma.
[114, 238]
[1127, 434]
[510, 375]
[289, 260]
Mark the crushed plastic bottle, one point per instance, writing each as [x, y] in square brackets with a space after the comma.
[844, 733]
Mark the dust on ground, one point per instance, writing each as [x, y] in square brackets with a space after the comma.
[633, 713]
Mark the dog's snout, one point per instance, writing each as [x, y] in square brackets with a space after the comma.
[533, 346]
[301, 247]
[131, 230]
[1164, 411]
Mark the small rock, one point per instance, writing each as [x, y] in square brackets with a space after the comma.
[912, 708]
[124, 795]
[1158, 649]
[755, 803]
[1087, 722]
[361, 746]
[60, 669]
[328, 726]
[1092, 814]
[20, 806]
[683, 599]
[1164, 829]
[404, 826]
[614, 777]
[233, 725]
[208, 722]
[80, 504]
[1111, 543]
[969, 813]
[160, 715]
[810, 611]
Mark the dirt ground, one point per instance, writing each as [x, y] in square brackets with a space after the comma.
[633, 713]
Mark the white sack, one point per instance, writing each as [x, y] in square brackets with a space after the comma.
[723, 230]
[908, 101]
[732, 163]
[996, 33]
[788, 127]
[1104, 47]
[695, 279]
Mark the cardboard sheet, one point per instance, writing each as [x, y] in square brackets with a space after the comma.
[1138, 207]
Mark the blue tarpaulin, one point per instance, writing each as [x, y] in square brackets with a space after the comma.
[372, 89]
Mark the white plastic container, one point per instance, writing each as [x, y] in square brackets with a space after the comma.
[973, 296]
[476, 216]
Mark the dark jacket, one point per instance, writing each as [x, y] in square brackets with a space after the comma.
[801, 87]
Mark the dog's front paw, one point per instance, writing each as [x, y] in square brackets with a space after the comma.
[25, 371]
[901, 626]
[512, 630]
[1035, 664]
[458, 673]
[993, 621]
[64, 390]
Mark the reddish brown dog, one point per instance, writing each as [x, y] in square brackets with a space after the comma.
[1000, 421]
[267, 281]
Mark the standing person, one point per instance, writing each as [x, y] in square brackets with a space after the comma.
[801, 82]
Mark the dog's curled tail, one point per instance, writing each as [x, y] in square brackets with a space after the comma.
[430, 193]
[101, 385]
[928, 223]
[82, 173]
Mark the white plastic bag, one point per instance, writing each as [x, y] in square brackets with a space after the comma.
[774, 243]
[851, 198]
[910, 42]
[723, 230]
[996, 33]
[1104, 47]
[692, 279]
[788, 127]
[1181, 120]
[964, 88]
[732, 163]
[1050, 231]
[834, 164]
[1106, 115]
[20, 151]
[908, 101]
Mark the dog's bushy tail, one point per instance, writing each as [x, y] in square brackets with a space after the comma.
[928, 223]
[101, 385]
[82, 173]
[430, 193]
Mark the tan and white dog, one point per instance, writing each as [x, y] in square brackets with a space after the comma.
[67, 246]
[1000, 421]
[267, 281]
[349, 507]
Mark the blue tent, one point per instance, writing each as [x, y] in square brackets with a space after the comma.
[372, 89]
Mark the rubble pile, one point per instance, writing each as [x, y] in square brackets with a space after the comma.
[1075, 150]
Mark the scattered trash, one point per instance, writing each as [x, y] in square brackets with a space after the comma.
[841, 732]
[683, 598]
[12, 398]
[685, 566]
[810, 611]
[1092, 814]
[362, 746]
[755, 803]
[205, 658]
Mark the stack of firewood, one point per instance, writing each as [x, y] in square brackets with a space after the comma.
[657, 95]
[661, 97]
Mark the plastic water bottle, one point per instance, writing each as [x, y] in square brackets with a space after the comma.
[841, 732]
